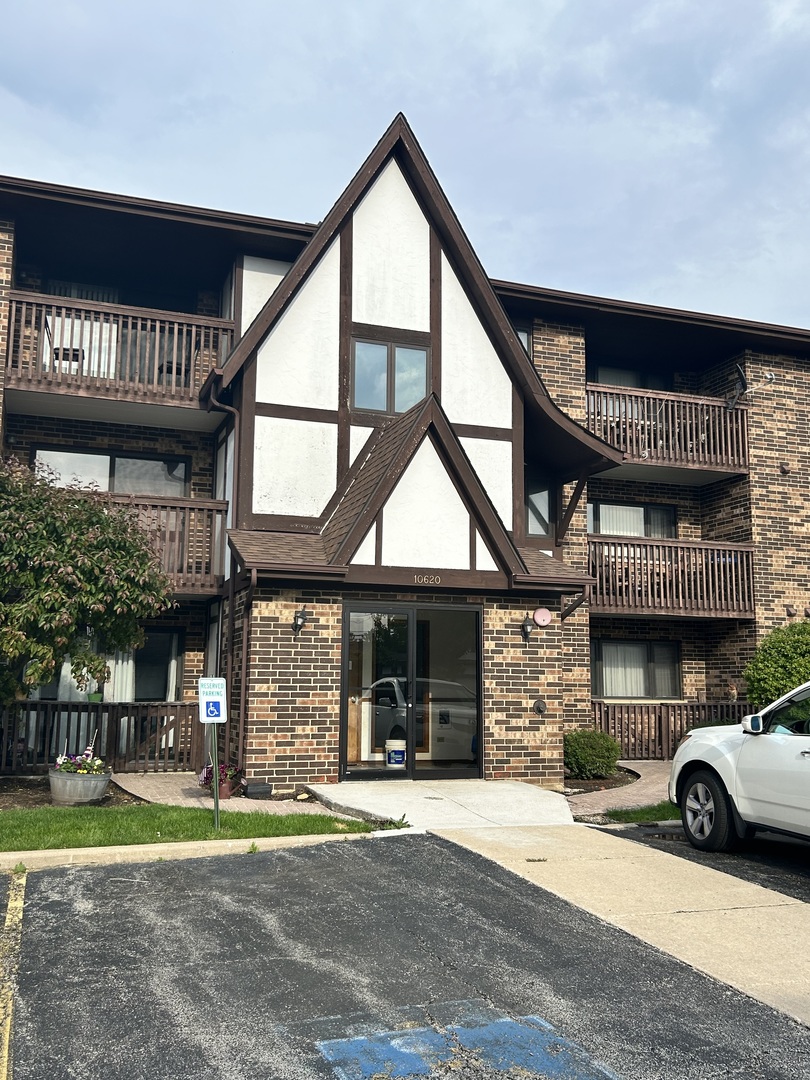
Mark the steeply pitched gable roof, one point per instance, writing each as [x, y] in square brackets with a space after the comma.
[571, 450]
[364, 494]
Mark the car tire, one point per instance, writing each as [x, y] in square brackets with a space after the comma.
[706, 813]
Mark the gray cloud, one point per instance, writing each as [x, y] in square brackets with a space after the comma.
[650, 150]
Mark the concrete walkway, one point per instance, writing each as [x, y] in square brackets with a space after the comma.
[648, 790]
[447, 804]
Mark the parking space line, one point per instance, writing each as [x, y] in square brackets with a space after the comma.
[9, 958]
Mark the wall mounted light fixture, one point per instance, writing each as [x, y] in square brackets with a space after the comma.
[300, 619]
[526, 627]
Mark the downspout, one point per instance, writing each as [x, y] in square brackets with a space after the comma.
[245, 649]
[231, 590]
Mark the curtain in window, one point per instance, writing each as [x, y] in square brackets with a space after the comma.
[624, 669]
[621, 520]
[121, 686]
[665, 674]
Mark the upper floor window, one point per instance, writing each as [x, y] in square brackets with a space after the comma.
[618, 519]
[388, 377]
[166, 476]
[524, 337]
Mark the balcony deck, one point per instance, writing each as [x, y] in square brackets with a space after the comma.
[105, 350]
[189, 537]
[671, 577]
[659, 428]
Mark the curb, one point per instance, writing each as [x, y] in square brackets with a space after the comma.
[135, 853]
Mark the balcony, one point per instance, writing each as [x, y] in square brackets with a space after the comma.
[130, 736]
[189, 537]
[657, 428]
[671, 577]
[650, 731]
[104, 350]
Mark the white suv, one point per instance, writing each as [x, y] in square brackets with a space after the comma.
[729, 781]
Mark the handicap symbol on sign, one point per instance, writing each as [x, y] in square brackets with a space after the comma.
[212, 708]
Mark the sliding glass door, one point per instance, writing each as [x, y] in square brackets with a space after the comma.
[411, 702]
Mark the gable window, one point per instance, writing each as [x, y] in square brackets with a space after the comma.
[635, 669]
[116, 472]
[388, 377]
[620, 519]
[538, 506]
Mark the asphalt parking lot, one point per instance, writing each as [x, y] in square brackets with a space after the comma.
[398, 956]
[772, 861]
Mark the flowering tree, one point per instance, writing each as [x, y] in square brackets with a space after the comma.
[77, 577]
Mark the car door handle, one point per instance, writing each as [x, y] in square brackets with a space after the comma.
[805, 753]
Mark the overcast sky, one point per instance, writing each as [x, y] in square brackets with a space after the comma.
[652, 151]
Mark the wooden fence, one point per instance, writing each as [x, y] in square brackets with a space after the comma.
[131, 737]
[648, 732]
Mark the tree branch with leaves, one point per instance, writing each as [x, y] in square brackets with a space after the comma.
[78, 576]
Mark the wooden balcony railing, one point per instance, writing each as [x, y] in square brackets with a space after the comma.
[131, 737]
[111, 351]
[648, 731]
[677, 577]
[189, 536]
[669, 429]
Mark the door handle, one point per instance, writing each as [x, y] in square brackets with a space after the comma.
[805, 753]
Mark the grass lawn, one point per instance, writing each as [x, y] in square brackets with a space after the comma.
[663, 811]
[101, 826]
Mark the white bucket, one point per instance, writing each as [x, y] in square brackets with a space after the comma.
[395, 754]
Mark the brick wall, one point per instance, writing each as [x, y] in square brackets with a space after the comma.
[558, 354]
[24, 432]
[6, 272]
[294, 684]
[779, 439]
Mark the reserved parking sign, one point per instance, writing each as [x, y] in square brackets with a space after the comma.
[211, 693]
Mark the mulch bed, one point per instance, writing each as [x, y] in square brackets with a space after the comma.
[26, 792]
[621, 778]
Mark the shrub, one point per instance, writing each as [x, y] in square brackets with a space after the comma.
[589, 753]
[781, 662]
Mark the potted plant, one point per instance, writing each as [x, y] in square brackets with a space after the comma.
[78, 778]
[230, 779]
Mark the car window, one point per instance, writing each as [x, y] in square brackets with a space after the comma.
[792, 718]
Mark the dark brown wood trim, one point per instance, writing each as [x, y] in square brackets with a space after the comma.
[298, 412]
[473, 552]
[394, 334]
[435, 314]
[244, 453]
[345, 346]
[378, 539]
[236, 298]
[428, 578]
[197, 215]
[518, 469]
[573, 502]
[478, 431]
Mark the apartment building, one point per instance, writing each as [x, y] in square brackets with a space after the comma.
[422, 522]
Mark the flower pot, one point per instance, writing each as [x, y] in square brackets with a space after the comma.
[76, 789]
[225, 790]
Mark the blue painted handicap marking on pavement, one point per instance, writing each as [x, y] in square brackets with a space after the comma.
[490, 1040]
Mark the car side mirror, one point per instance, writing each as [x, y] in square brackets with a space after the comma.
[752, 724]
[385, 703]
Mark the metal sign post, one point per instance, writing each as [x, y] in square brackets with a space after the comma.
[211, 694]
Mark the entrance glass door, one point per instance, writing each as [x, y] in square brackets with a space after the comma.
[411, 692]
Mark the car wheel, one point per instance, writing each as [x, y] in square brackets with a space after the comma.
[706, 813]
